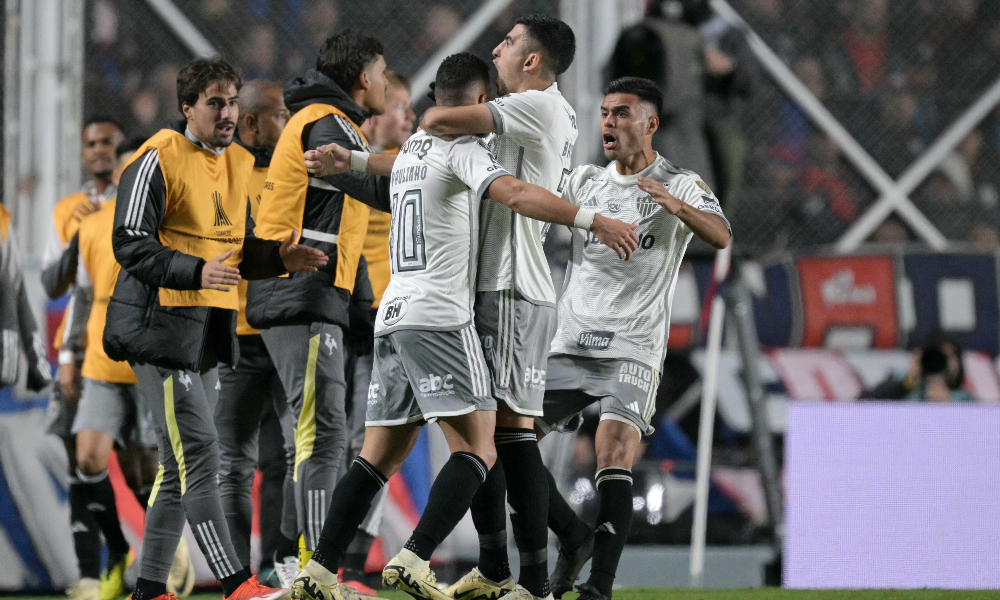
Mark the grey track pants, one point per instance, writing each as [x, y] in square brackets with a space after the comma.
[183, 405]
[359, 376]
[310, 363]
[247, 390]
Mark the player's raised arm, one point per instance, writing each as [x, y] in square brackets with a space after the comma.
[458, 120]
[538, 203]
[710, 227]
[333, 159]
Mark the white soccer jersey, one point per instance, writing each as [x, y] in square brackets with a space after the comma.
[611, 308]
[536, 131]
[436, 187]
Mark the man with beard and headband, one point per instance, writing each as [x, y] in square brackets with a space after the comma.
[613, 323]
[515, 306]
[429, 363]
[183, 239]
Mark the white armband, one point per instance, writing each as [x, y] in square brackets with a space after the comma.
[359, 161]
[584, 218]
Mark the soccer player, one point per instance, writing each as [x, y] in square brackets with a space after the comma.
[251, 387]
[613, 323]
[386, 133]
[515, 305]
[100, 137]
[428, 362]
[183, 241]
[303, 316]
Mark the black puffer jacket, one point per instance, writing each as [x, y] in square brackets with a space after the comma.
[327, 223]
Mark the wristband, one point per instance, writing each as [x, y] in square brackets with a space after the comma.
[584, 218]
[359, 161]
[67, 357]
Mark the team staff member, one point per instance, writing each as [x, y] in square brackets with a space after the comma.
[100, 138]
[386, 133]
[304, 316]
[249, 387]
[179, 238]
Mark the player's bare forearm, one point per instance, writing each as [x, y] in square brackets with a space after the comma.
[710, 228]
[458, 120]
[381, 164]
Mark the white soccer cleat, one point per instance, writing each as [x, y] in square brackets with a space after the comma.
[519, 593]
[180, 580]
[316, 582]
[87, 588]
[408, 573]
[476, 586]
[287, 570]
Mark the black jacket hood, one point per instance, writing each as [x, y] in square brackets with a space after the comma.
[261, 154]
[315, 87]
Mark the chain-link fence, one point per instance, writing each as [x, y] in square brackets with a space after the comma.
[133, 58]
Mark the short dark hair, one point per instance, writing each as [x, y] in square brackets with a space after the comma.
[645, 89]
[457, 73]
[200, 73]
[398, 80]
[99, 118]
[345, 55]
[129, 145]
[553, 39]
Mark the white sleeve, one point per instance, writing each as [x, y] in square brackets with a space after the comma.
[572, 182]
[472, 162]
[82, 276]
[53, 247]
[690, 189]
[524, 116]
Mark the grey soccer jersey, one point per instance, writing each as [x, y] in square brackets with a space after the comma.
[610, 308]
[436, 188]
[536, 131]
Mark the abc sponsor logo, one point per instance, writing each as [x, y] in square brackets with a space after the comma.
[394, 311]
[595, 340]
[436, 385]
[636, 375]
[534, 378]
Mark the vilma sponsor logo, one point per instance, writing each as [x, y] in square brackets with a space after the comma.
[636, 375]
[534, 377]
[595, 340]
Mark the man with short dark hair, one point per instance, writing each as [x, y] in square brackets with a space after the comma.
[304, 317]
[183, 240]
[100, 138]
[515, 306]
[614, 358]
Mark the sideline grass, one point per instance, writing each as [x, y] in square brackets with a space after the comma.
[688, 594]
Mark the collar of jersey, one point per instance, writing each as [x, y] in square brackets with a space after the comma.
[633, 179]
[194, 140]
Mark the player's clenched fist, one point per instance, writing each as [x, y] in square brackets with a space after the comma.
[330, 159]
[615, 234]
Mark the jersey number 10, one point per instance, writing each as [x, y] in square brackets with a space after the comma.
[408, 232]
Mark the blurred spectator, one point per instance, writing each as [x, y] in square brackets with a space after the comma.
[829, 206]
[670, 52]
[938, 198]
[935, 374]
[983, 237]
[259, 53]
[793, 123]
[891, 232]
[857, 58]
[730, 77]
[894, 139]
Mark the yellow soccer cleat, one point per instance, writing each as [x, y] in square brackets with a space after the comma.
[180, 580]
[113, 578]
[315, 582]
[87, 588]
[475, 586]
[408, 573]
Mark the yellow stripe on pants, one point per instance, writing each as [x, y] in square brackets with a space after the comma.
[156, 486]
[305, 430]
[174, 432]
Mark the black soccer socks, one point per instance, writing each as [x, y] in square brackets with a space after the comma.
[86, 531]
[528, 497]
[614, 520]
[101, 503]
[352, 498]
[490, 518]
[451, 494]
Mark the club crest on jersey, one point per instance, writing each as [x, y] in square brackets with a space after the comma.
[595, 340]
[394, 311]
[615, 206]
[645, 206]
